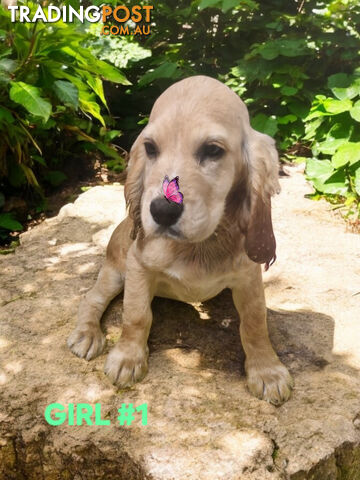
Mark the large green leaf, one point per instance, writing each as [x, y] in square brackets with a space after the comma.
[264, 124]
[30, 97]
[347, 154]
[88, 104]
[67, 93]
[165, 70]
[229, 4]
[340, 80]
[319, 170]
[283, 46]
[355, 111]
[337, 106]
[349, 92]
[89, 62]
[337, 184]
[208, 3]
[7, 222]
[288, 91]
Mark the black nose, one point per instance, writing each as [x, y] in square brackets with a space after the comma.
[164, 212]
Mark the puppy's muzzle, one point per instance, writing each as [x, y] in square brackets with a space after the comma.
[165, 213]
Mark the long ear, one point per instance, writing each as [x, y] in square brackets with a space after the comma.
[262, 159]
[134, 185]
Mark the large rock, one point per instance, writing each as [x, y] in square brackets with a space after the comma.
[202, 422]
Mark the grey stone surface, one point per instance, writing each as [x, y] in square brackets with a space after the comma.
[202, 422]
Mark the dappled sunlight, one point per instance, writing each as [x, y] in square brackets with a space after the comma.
[203, 313]
[191, 391]
[48, 340]
[14, 367]
[85, 267]
[67, 248]
[95, 392]
[3, 378]
[185, 359]
[245, 444]
[4, 342]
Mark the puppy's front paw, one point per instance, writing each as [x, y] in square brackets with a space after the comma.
[269, 381]
[126, 364]
[86, 342]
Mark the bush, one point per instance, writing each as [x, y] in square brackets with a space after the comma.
[51, 106]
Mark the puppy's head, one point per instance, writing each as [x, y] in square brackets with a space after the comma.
[199, 131]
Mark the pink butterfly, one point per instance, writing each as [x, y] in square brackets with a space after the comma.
[171, 190]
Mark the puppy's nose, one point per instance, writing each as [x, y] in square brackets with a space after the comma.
[165, 213]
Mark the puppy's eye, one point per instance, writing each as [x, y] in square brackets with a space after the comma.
[210, 151]
[150, 149]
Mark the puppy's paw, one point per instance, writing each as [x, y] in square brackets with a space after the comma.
[270, 381]
[126, 364]
[86, 342]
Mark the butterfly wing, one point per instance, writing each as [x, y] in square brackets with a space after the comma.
[172, 191]
[165, 184]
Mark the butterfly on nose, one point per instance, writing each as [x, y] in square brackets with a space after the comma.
[166, 210]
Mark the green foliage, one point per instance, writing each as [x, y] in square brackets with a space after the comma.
[293, 63]
[333, 126]
[277, 56]
[52, 106]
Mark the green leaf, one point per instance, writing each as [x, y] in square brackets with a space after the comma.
[340, 80]
[264, 124]
[67, 93]
[30, 98]
[89, 62]
[330, 145]
[355, 111]
[229, 4]
[337, 184]
[337, 106]
[208, 3]
[357, 181]
[347, 154]
[5, 115]
[55, 177]
[298, 108]
[166, 70]
[349, 92]
[287, 119]
[88, 104]
[282, 46]
[7, 221]
[288, 91]
[320, 170]
[7, 65]
[97, 86]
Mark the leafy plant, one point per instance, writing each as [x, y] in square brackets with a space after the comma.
[52, 104]
[333, 126]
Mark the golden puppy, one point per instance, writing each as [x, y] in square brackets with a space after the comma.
[191, 250]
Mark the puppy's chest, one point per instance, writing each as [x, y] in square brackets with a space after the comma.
[183, 282]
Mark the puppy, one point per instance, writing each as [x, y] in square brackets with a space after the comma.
[214, 232]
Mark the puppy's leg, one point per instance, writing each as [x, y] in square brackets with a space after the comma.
[267, 377]
[127, 362]
[87, 340]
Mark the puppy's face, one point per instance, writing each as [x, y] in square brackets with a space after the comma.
[195, 136]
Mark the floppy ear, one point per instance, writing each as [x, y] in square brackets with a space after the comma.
[262, 160]
[134, 185]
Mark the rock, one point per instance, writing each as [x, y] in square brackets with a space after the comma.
[202, 422]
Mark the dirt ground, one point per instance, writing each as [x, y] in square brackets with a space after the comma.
[202, 422]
